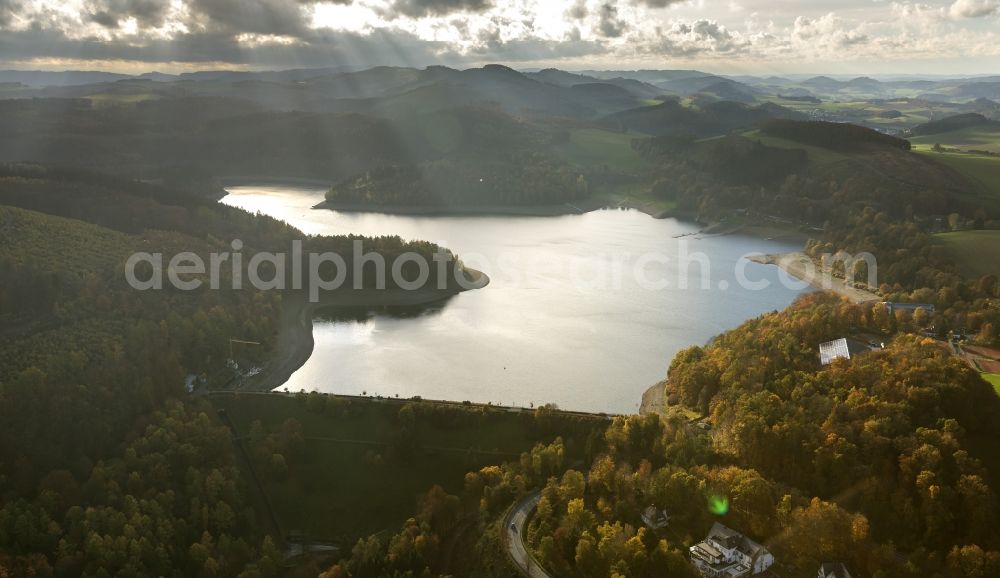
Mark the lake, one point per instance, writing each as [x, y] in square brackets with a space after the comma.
[584, 311]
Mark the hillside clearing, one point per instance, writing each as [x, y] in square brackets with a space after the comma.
[972, 251]
[816, 154]
[983, 170]
[994, 379]
[594, 148]
[986, 138]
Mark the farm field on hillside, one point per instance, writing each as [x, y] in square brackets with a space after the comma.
[972, 251]
[593, 148]
[977, 138]
[981, 169]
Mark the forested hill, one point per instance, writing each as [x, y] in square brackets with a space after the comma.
[87, 365]
[102, 470]
[516, 179]
[466, 157]
[956, 122]
[143, 209]
[876, 462]
[191, 142]
[673, 118]
[872, 431]
[767, 175]
[832, 135]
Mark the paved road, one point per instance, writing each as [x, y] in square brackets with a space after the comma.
[513, 528]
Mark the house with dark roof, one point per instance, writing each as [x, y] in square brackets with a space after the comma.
[655, 519]
[726, 553]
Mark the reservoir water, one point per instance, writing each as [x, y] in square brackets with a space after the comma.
[584, 311]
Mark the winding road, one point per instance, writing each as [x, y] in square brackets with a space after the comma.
[513, 531]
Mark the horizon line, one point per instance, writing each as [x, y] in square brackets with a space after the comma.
[575, 69]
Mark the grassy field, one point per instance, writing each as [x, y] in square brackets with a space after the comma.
[865, 111]
[983, 170]
[974, 251]
[593, 148]
[993, 378]
[977, 137]
[113, 99]
[816, 154]
[352, 479]
[634, 196]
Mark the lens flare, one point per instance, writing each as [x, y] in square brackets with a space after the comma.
[718, 505]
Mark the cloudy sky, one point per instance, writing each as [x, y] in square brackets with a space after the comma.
[737, 36]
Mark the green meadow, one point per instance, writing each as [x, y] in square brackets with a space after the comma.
[984, 138]
[983, 170]
[593, 148]
[974, 251]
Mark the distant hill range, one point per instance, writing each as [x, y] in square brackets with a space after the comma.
[394, 91]
[396, 135]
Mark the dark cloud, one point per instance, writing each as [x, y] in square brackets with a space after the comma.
[318, 49]
[419, 8]
[610, 25]
[216, 25]
[658, 3]
[492, 48]
[215, 28]
[109, 13]
[578, 11]
[277, 17]
[719, 37]
[7, 10]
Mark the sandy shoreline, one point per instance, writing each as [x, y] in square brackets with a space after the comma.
[802, 267]
[250, 181]
[578, 207]
[294, 344]
[555, 210]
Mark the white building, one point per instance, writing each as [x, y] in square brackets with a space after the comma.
[728, 554]
[833, 570]
[833, 350]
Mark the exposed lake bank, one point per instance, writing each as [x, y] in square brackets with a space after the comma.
[767, 230]
[642, 202]
[553, 210]
[802, 267]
